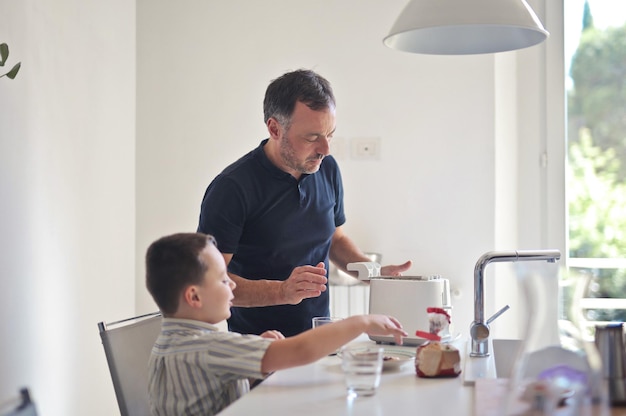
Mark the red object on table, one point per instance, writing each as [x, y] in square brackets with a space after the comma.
[428, 335]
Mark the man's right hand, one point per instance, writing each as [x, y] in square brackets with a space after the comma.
[304, 282]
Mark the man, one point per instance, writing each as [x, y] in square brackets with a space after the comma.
[278, 212]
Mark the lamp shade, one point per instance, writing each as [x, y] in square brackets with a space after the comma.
[464, 27]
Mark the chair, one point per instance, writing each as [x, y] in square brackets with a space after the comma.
[19, 406]
[127, 346]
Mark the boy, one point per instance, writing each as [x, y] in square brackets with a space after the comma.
[195, 369]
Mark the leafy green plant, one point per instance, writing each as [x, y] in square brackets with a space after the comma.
[4, 55]
[596, 167]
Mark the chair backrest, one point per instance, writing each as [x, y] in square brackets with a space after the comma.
[19, 406]
[127, 346]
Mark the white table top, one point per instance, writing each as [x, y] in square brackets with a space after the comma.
[319, 389]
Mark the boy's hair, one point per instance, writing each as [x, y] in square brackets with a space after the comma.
[302, 85]
[173, 263]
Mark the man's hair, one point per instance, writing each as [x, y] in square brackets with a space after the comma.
[173, 263]
[302, 85]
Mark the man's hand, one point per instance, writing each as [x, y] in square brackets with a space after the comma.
[395, 270]
[304, 282]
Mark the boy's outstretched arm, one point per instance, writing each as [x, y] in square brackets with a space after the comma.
[316, 343]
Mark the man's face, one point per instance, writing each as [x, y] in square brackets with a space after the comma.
[307, 140]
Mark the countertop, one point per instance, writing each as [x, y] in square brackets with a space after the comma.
[319, 389]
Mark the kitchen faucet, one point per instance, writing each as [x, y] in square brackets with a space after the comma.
[479, 330]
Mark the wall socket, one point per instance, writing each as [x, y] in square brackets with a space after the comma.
[366, 148]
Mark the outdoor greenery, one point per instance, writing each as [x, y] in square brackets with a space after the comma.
[596, 177]
[598, 99]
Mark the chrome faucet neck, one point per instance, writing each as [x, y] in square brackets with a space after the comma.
[479, 330]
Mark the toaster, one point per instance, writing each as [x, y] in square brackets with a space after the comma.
[406, 298]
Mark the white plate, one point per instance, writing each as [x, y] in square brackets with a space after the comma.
[395, 358]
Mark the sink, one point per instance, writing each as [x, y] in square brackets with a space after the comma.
[498, 364]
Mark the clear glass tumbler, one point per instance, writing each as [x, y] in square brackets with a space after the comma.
[362, 367]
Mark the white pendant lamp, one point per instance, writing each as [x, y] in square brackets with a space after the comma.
[464, 27]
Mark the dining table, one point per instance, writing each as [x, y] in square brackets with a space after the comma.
[319, 389]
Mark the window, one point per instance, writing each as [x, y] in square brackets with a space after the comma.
[595, 64]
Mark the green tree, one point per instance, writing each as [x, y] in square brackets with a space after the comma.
[598, 98]
[587, 17]
[596, 176]
[597, 201]
[597, 217]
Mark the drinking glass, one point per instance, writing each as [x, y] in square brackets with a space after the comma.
[322, 320]
[362, 367]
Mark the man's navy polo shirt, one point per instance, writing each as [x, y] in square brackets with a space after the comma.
[272, 223]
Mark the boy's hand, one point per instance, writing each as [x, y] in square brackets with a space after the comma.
[272, 334]
[385, 325]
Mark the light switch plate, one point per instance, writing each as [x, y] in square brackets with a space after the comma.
[366, 148]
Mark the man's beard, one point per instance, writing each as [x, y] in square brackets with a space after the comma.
[288, 156]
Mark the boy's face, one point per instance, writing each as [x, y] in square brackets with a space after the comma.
[216, 291]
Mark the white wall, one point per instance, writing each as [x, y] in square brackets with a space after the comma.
[530, 143]
[202, 71]
[67, 207]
